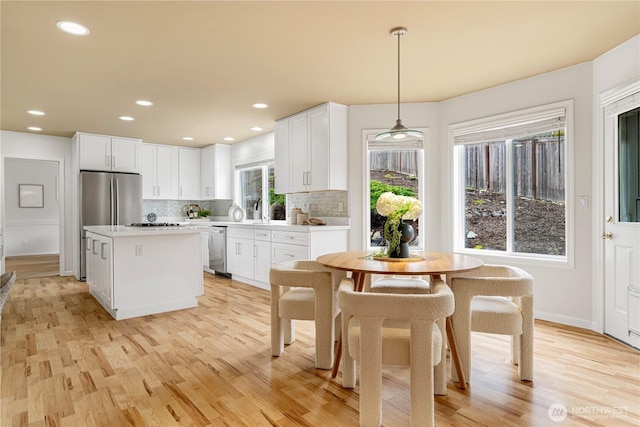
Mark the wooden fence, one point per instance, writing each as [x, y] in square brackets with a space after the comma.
[538, 168]
[403, 161]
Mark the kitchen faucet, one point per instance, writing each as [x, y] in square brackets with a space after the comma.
[257, 216]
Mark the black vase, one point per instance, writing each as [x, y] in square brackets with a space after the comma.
[407, 236]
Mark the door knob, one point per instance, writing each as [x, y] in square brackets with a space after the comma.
[607, 236]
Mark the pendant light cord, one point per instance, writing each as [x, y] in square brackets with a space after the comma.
[399, 35]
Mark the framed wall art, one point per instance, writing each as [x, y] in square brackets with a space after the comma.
[31, 195]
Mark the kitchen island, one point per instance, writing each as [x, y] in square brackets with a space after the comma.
[137, 271]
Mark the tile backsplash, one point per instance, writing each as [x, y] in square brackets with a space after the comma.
[175, 208]
[321, 203]
[318, 204]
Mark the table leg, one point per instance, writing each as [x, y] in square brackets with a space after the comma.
[462, 384]
[358, 279]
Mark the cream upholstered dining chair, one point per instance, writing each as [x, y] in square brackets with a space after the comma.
[388, 326]
[406, 283]
[495, 299]
[305, 290]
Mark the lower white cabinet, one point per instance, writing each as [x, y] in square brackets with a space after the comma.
[100, 268]
[248, 253]
[262, 255]
[251, 251]
[240, 252]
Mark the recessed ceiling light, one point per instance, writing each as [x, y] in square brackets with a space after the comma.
[228, 138]
[126, 118]
[260, 105]
[144, 103]
[72, 28]
[36, 112]
[256, 129]
[34, 128]
[187, 138]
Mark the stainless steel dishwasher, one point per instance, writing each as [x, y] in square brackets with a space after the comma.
[218, 250]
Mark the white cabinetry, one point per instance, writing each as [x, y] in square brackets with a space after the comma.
[100, 268]
[289, 246]
[216, 172]
[107, 153]
[189, 173]
[262, 254]
[159, 168]
[252, 250]
[215, 162]
[311, 150]
[281, 164]
[240, 251]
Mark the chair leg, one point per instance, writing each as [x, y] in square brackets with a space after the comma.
[440, 370]
[422, 404]
[289, 331]
[370, 374]
[277, 332]
[348, 363]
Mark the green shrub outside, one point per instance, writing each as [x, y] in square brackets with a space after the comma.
[376, 188]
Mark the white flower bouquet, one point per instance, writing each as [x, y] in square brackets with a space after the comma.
[396, 208]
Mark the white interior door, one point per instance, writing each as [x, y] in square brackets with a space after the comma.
[621, 222]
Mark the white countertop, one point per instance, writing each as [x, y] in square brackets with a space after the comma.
[125, 230]
[200, 226]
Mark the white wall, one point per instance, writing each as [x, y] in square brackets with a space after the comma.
[53, 148]
[31, 231]
[563, 292]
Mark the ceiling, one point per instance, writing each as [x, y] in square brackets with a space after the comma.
[204, 63]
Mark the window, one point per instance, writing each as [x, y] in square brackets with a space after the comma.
[399, 168]
[510, 183]
[256, 185]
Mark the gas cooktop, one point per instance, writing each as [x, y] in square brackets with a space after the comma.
[155, 224]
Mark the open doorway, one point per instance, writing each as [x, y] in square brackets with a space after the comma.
[32, 217]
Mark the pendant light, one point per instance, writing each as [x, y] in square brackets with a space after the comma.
[399, 132]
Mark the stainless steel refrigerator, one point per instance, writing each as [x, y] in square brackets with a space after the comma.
[107, 199]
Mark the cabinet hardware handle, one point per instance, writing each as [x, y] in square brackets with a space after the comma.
[88, 243]
[107, 160]
[102, 246]
[113, 161]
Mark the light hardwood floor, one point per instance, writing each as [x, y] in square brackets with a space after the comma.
[66, 362]
[30, 266]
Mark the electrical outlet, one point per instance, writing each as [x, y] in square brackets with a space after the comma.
[340, 207]
[24, 242]
[138, 250]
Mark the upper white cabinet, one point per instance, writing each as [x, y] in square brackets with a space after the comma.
[108, 153]
[281, 166]
[215, 162]
[189, 173]
[311, 150]
[159, 168]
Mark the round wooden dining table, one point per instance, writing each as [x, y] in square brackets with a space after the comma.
[434, 264]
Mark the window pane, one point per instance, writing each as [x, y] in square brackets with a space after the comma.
[395, 171]
[277, 202]
[485, 196]
[629, 165]
[539, 194]
[250, 191]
